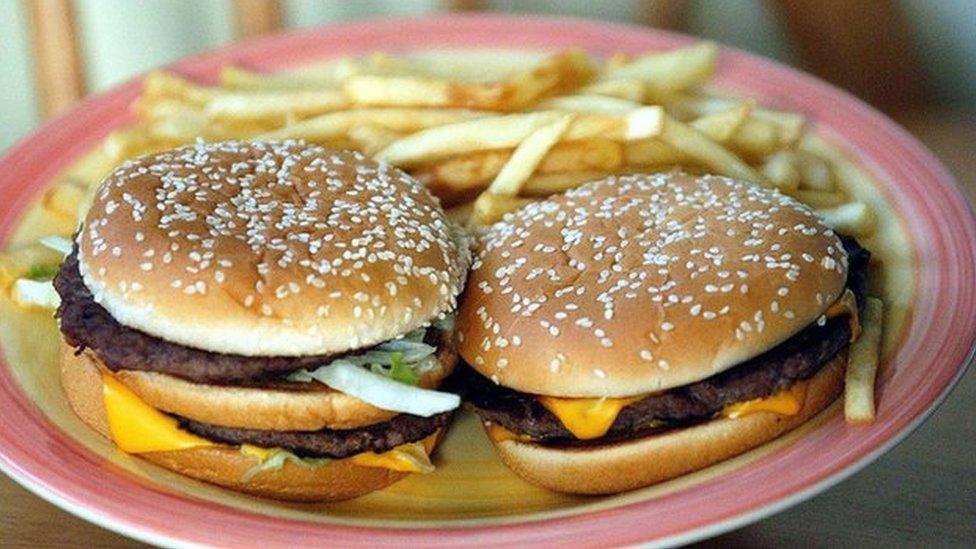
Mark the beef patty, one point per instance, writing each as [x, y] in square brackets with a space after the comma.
[333, 443]
[797, 358]
[86, 324]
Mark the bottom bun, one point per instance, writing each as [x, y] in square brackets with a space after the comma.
[225, 465]
[623, 466]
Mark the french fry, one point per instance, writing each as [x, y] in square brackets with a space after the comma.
[815, 172]
[636, 124]
[338, 124]
[19, 262]
[591, 103]
[371, 138]
[161, 84]
[490, 207]
[470, 171]
[666, 72]
[722, 125]
[781, 171]
[127, 143]
[473, 66]
[507, 131]
[329, 74]
[240, 78]
[695, 104]
[542, 185]
[583, 155]
[559, 72]
[64, 199]
[476, 170]
[706, 152]
[854, 218]
[790, 124]
[527, 156]
[497, 132]
[862, 365]
[89, 170]
[628, 89]
[819, 199]
[755, 139]
[257, 105]
[652, 152]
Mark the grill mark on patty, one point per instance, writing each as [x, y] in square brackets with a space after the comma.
[87, 325]
[798, 358]
[333, 443]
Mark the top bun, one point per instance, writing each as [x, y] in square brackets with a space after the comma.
[642, 283]
[272, 249]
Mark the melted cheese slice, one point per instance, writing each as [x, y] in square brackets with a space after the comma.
[586, 418]
[846, 305]
[787, 402]
[498, 433]
[137, 427]
[413, 457]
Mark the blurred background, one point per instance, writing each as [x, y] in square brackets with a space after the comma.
[911, 58]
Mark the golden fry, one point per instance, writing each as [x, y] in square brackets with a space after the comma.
[339, 124]
[489, 208]
[722, 125]
[652, 152]
[527, 156]
[854, 218]
[862, 365]
[560, 72]
[670, 71]
[781, 171]
[708, 153]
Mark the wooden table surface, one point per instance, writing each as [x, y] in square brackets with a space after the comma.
[921, 493]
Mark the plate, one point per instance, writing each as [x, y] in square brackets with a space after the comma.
[927, 240]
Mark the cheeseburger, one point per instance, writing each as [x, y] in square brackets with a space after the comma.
[270, 317]
[645, 326]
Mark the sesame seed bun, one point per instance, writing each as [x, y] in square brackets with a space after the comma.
[269, 249]
[225, 465]
[614, 468]
[642, 283]
[283, 406]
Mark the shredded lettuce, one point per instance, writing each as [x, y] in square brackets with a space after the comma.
[41, 272]
[57, 243]
[273, 459]
[405, 359]
[397, 371]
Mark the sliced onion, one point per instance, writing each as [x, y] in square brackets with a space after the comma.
[26, 292]
[380, 391]
[57, 243]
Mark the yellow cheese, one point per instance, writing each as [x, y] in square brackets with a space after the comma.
[137, 427]
[847, 304]
[787, 402]
[586, 418]
[413, 457]
[257, 451]
[498, 433]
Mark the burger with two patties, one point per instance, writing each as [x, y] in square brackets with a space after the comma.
[271, 317]
[645, 326]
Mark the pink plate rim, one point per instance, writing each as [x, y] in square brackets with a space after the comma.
[941, 333]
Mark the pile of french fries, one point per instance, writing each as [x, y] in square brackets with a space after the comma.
[489, 132]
